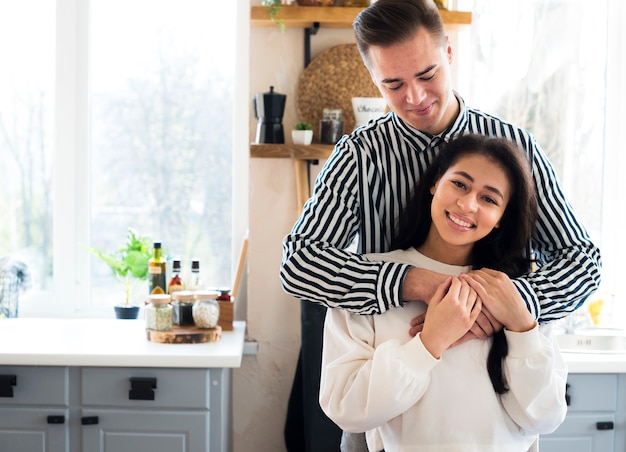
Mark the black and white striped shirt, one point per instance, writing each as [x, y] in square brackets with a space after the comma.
[359, 194]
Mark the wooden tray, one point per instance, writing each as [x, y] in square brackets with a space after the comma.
[185, 335]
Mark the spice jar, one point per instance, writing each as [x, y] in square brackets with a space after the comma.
[182, 306]
[331, 126]
[206, 311]
[159, 312]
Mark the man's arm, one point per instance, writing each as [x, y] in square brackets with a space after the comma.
[569, 263]
[316, 265]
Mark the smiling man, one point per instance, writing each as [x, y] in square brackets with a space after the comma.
[368, 180]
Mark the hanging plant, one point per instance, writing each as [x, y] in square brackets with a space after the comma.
[273, 8]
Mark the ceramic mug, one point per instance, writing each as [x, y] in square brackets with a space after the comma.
[367, 108]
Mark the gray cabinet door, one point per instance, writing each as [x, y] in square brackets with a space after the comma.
[580, 433]
[113, 430]
[29, 429]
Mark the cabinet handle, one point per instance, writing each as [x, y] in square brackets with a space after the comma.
[608, 425]
[52, 419]
[89, 420]
[142, 388]
[6, 385]
[568, 398]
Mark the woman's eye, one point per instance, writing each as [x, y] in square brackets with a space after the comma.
[394, 87]
[427, 78]
[458, 183]
[490, 200]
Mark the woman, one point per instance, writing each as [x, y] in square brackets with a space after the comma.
[473, 209]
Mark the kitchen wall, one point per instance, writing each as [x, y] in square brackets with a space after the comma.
[261, 386]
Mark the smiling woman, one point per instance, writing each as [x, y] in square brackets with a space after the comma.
[116, 126]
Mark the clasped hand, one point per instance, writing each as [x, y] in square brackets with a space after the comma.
[501, 305]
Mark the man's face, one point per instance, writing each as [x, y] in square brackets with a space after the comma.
[414, 79]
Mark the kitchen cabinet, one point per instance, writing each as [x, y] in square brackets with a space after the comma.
[596, 417]
[34, 409]
[113, 409]
[74, 388]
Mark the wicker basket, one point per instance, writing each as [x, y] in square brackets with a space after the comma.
[331, 80]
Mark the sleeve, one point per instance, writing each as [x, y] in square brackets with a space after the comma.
[363, 387]
[537, 375]
[316, 264]
[569, 263]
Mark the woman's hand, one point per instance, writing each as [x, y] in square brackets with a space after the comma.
[451, 313]
[500, 299]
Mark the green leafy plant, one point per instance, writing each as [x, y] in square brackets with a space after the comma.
[129, 261]
[303, 125]
[273, 7]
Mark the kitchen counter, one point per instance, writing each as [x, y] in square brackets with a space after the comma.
[109, 343]
[595, 363]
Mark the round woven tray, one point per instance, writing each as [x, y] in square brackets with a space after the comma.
[331, 80]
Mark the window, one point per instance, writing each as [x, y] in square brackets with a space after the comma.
[548, 65]
[115, 114]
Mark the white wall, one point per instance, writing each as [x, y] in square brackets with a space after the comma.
[261, 386]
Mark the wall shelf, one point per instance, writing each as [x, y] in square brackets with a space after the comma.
[331, 16]
[295, 151]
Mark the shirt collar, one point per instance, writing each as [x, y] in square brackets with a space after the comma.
[454, 129]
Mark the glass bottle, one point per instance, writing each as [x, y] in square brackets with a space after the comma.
[195, 282]
[156, 271]
[159, 312]
[206, 311]
[176, 283]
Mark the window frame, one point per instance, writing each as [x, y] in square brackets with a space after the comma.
[70, 295]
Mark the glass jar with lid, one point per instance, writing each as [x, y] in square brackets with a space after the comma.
[182, 305]
[159, 312]
[206, 311]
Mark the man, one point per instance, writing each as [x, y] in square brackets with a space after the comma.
[369, 177]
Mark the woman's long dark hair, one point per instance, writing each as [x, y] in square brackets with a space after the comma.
[505, 248]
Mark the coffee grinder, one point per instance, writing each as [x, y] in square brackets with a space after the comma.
[268, 109]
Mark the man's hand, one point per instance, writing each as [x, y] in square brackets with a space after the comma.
[420, 284]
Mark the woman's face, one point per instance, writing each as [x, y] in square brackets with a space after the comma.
[468, 201]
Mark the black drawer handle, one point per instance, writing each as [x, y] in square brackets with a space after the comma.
[608, 425]
[6, 385]
[89, 420]
[568, 398]
[142, 388]
[56, 419]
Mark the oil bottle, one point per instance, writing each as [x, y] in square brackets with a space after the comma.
[156, 271]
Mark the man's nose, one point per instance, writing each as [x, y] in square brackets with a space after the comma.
[415, 93]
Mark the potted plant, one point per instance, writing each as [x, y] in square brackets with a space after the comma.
[302, 133]
[129, 264]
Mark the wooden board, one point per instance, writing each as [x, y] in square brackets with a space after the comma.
[185, 335]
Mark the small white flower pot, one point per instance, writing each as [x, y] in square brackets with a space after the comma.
[302, 136]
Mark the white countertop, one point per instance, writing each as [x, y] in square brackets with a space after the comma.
[595, 363]
[108, 343]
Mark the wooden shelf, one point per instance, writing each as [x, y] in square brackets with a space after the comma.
[331, 16]
[295, 151]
